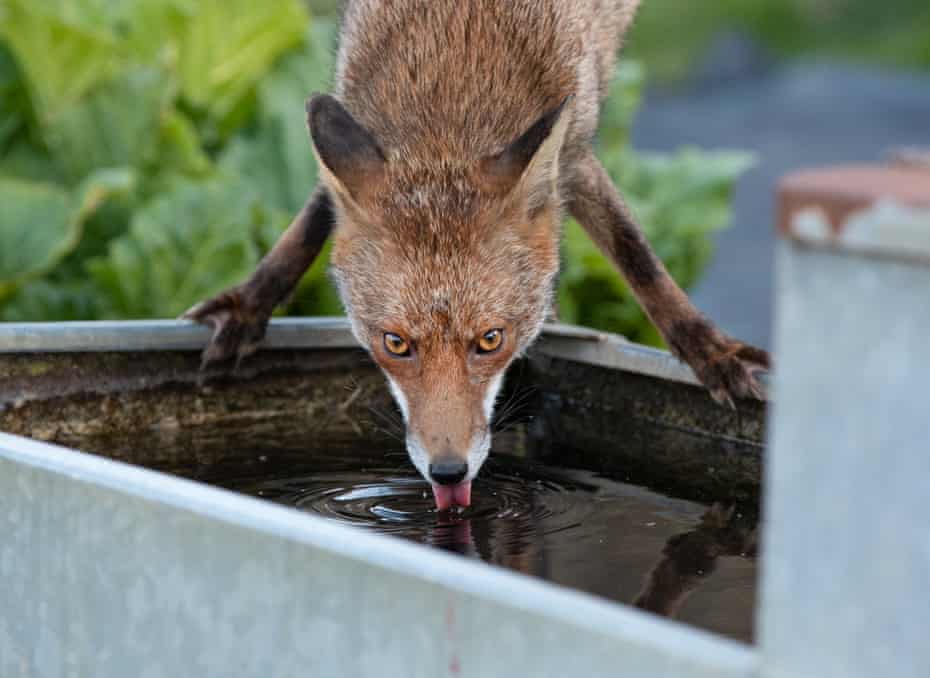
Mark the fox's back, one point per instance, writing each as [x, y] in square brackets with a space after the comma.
[454, 80]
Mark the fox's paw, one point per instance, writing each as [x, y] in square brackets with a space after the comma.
[731, 373]
[238, 326]
[727, 367]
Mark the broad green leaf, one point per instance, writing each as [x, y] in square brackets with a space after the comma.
[151, 28]
[14, 100]
[116, 124]
[278, 159]
[189, 243]
[226, 46]
[41, 223]
[29, 161]
[61, 56]
[179, 149]
[36, 230]
[51, 299]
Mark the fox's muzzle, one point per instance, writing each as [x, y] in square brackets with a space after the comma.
[448, 471]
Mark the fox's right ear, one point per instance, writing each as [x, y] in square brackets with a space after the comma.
[348, 153]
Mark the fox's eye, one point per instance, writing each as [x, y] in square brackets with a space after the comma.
[490, 341]
[396, 345]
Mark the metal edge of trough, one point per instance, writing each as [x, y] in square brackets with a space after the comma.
[559, 341]
[278, 553]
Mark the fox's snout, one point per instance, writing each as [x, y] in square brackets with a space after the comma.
[448, 419]
[447, 444]
[448, 471]
[449, 468]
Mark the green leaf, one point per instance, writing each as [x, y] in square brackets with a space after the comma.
[14, 99]
[226, 47]
[29, 161]
[188, 244]
[51, 299]
[116, 124]
[277, 159]
[36, 230]
[179, 149]
[41, 223]
[63, 53]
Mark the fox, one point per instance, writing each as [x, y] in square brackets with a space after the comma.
[458, 135]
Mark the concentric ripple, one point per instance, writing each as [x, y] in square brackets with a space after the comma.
[509, 504]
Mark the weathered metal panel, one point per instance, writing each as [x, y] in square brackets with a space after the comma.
[111, 570]
[847, 543]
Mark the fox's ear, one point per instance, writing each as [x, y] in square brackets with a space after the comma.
[529, 166]
[347, 152]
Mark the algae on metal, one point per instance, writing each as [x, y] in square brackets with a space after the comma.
[79, 395]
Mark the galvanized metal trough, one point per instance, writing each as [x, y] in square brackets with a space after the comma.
[111, 568]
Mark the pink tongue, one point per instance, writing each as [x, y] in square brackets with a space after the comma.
[448, 495]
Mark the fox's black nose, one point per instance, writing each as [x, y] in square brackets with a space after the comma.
[448, 471]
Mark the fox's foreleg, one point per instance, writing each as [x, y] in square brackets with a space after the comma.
[240, 315]
[725, 366]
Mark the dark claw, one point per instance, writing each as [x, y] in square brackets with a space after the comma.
[237, 330]
[731, 373]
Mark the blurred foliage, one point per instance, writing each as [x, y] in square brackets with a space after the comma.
[152, 150]
[670, 35]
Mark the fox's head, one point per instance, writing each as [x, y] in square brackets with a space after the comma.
[446, 271]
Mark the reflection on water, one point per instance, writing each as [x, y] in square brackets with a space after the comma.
[672, 557]
[573, 527]
[505, 502]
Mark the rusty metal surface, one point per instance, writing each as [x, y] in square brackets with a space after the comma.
[839, 192]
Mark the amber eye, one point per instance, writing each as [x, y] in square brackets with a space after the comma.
[490, 341]
[396, 345]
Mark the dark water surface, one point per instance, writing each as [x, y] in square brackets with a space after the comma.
[569, 526]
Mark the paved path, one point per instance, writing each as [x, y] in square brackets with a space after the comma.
[806, 115]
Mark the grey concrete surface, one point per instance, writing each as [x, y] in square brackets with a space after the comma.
[808, 114]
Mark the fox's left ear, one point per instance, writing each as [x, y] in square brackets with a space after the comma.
[529, 166]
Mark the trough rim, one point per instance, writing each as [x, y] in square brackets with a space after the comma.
[560, 341]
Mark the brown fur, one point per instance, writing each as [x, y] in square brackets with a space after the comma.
[444, 87]
[458, 130]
